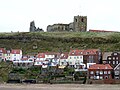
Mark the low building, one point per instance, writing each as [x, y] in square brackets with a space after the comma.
[100, 71]
[117, 72]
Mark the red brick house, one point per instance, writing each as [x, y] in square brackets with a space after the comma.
[100, 71]
[91, 56]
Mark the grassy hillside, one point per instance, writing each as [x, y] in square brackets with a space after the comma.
[60, 41]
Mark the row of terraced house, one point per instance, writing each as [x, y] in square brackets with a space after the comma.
[98, 65]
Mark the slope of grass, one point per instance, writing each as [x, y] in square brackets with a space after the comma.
[59, 41]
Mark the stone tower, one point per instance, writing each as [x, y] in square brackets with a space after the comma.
[32, 26]
[80, 23]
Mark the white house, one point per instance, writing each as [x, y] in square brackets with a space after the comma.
[16, 54]
[75, 59]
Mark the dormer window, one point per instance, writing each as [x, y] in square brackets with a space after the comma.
[106, 67]
[109, 58]
[88, 53]
[81, 52]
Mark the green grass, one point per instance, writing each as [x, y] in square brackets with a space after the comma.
[56, 41]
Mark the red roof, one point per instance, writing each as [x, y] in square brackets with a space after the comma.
[2, 50]
[64, 56]
[90, 51]
[76, 52]
[83, 52]
[100, 66]
[15, 51]
[100, 31]
[52, 53]
[41, 55]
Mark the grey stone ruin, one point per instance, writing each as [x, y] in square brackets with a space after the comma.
[33, 28]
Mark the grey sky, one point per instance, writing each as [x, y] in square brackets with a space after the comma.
[15, 15]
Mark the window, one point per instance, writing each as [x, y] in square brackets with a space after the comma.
[101, 77]
[80, 57]
[70, 62]
[91, 72]
[101, 72]
[70, 58]
[76, 20]
[91, 77]
[37, 62]
[62, 63]
[30, 60]
[14, 54]
[116, 62]
[105, 72]
[116, 58]
[77, 57]
[116, 72]
[118, 68]
[97, 72]
[109, 62]
[113, 62]
[91, 59]
[82, 20]
[109, 72]
[113, 58]
[74, 57]
[8, 54]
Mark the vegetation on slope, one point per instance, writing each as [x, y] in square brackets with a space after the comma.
[59, 41]
[5, 68]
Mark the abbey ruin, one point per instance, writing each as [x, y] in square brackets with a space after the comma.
[79, 24]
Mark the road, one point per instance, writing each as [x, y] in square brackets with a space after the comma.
[58, 87]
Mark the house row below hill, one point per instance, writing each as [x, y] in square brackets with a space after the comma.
[81, 60]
